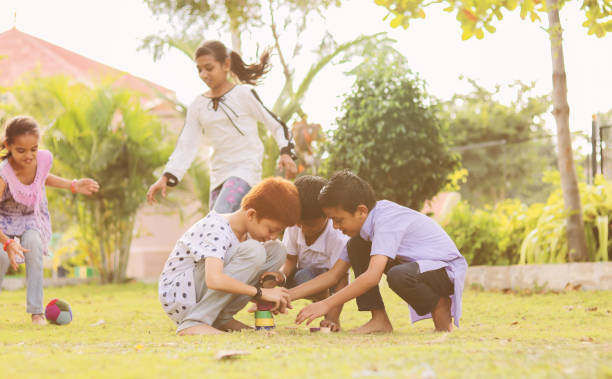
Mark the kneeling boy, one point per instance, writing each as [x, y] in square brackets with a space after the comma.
[214, 269]
[313, 246]
[422, 263]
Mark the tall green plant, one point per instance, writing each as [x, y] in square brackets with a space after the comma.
[476, 16]
[104, 134]
[389, 134]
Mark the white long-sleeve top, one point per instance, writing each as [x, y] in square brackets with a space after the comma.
[237, 149]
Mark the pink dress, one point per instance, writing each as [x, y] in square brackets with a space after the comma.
[24, 207]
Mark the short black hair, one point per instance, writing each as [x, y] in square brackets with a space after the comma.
[348, 191]
[309, 187]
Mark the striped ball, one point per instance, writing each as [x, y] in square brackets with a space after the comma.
[58, 312]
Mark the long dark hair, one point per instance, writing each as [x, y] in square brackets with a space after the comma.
[246, 73]
[15, 127]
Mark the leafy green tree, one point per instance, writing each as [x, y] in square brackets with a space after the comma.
[389, 134]
[505, 148]
[475, 16]
[104, 134]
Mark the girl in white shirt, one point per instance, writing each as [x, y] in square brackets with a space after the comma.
[227, 115]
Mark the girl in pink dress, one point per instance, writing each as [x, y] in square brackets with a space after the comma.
[24, 173]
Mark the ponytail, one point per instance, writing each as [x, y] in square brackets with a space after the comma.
[246, 73]
[250, 73]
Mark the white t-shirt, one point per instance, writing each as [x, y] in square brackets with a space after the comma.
[212, 236]
[323, 253]
[231, 131]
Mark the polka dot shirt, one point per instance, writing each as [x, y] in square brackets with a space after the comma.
[212, 236]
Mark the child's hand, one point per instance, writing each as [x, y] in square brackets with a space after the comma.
[312, 311]
[15, 250]
[279, 296]
[288, 165]
[86, 186]
[160, 185]
[279, 278]
[334, 326]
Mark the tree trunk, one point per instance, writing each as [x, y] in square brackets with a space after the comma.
[569, 184]
[236, 42]
[124, 249]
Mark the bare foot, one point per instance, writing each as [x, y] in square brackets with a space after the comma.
[379, 323]
[38, 319]
[441, 315]
[234, 325]
[201, 329]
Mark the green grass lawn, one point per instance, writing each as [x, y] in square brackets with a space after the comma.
[509, 335]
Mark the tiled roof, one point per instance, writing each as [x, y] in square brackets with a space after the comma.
[21, 53]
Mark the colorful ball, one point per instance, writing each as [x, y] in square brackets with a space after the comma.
[58, 312]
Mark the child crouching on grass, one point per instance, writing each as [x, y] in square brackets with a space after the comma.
[422, 263]
[215, 267]
[313, 246]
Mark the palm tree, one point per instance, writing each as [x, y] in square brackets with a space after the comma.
[104, 134]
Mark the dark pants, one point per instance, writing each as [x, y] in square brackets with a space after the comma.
[421, 290]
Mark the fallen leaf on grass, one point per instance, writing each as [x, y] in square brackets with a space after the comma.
[592, 309]
[514, 323]
[569, 308]
[227, 354]
[587, 339]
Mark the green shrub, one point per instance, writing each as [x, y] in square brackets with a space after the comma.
[512, 233]
[476, 234]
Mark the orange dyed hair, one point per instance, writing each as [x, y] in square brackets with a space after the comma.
[275, 199]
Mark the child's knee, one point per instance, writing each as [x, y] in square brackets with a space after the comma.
[303, 275]
[276, 252]
[357, 245]
[398, 277]
[253, 252]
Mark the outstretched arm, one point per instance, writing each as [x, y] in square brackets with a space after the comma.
[322, 282]
[84, 186]
[359, 286]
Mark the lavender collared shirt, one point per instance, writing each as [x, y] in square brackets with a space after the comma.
[404, 234]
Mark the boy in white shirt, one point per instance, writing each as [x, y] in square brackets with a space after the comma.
[313, 246]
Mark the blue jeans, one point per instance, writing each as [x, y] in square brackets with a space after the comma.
[303, 275]
[30, 239]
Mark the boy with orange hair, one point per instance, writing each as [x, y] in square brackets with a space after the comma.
[215, 267]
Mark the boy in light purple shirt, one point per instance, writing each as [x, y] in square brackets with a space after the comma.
[422, 263]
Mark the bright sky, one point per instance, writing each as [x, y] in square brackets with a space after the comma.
[110, 32]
